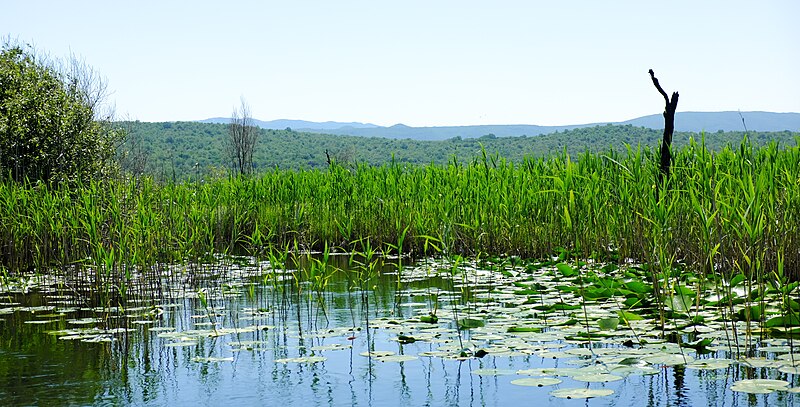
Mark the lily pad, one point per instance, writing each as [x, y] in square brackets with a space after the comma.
[759, 386]
[377, 353]
[580, 393]
[668, 359]
[608, 324]
[633, 370]
[709, 364]
[493, 372]
[469, 323]
[597, 378]
[536, 381]
[790, 370]
[335, 346]
[397, 358]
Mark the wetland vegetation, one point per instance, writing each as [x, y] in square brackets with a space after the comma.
[472, 281]
[690, 293]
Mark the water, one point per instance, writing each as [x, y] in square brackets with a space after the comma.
[170, 352]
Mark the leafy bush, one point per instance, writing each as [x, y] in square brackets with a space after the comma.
[48, 126]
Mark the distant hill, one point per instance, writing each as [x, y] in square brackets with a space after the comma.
[684, 121]
[180, 150]
[400, 131]
[296, 124]
[725, 121]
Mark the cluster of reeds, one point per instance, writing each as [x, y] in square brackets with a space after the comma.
[737, 210]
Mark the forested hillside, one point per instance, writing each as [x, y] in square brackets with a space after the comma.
[189, 149]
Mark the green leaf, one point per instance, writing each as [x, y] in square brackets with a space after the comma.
[679, 303]
[406, 339]
[469, 323]
[608, 324]
[752, 312]
[699, 344]
[638, 287]
[597, 293]
[566, 270]
[782, 321]
[737, 279]
[685, 291]
[429, 319]
[629, 316]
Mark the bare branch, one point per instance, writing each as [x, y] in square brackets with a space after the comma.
[660, 90]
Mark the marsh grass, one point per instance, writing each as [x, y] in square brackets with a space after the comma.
[721, 215]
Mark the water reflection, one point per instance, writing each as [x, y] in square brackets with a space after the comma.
[174, 349]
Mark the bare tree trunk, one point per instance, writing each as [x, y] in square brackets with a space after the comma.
[669, 127]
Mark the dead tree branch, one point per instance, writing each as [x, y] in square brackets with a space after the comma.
[670, 106]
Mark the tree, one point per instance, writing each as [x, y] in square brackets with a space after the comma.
[242, 139]
[669, 127]
[51, 126]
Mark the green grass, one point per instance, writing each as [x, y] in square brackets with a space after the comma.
[732, 211]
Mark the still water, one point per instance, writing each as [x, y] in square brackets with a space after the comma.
[233, 334]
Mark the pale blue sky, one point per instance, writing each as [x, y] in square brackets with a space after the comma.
[425, 63]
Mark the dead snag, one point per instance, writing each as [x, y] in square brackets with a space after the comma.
[669, 127]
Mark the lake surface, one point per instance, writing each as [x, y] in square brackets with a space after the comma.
[244, 333]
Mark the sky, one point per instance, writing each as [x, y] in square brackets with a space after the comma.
[424, 63]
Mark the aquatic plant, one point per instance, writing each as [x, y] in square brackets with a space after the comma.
[732, 212]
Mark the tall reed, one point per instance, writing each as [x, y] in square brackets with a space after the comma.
[728, 212]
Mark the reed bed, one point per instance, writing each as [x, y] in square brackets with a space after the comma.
[732, 211]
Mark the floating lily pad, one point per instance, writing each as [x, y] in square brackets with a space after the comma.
[709, 364]
[790, 370]
[608, 324]
[759, 386]
[580, 393]
[335, 346]
[760, 362]
[597, 378]
[776, 349]
[432, 354]
[633, 370]
[377, 353]
[469, 323]
[536, 381]
[555, 355]
[668, 359]
[791, 357]
[535, 372]
[396, 358]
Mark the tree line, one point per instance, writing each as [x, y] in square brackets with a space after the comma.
[193, 149]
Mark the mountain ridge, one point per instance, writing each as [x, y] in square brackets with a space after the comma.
[684, 121]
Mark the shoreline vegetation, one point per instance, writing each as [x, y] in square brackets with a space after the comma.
[733, 211]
